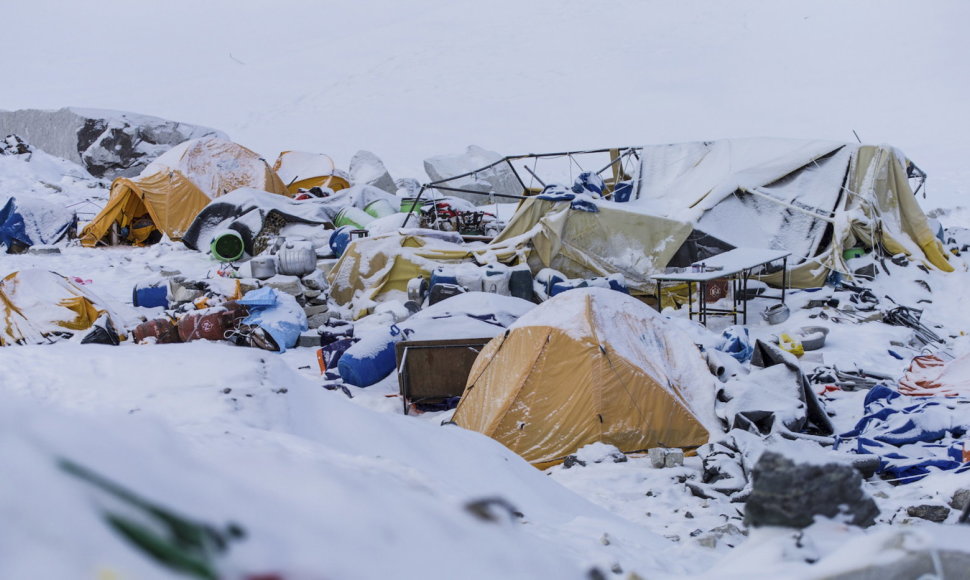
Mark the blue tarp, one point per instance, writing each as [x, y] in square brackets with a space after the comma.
[35, 222]
[912, 436]
[279, 314]
[736, 342]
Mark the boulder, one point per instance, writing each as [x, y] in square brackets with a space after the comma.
[365, 167]
[789, 494]
[499, 179]
[933, 513]
[108, 144]
[960, 499]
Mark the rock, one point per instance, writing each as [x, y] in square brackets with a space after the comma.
[318, 320]
[14, 145]
[498, 179]
[315, 280]
[493, 509]
[960, 499]
[407, 186]
[43, 250]
[108, 144]
[664, 457]
[789, 494]
[365, 167]
[933, 513]
[599, 453]
[925, 563]
[674, 458]
[572, 461]
[288, 284]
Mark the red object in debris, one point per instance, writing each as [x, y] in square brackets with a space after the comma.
[212, 323]
[321, 361]
[163, 330]
[830, 389]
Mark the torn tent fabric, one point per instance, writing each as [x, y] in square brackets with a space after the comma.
[812, 198]
[38, 306]
[582, 243]
[912, 437]
[25, 223]
[278, 314]
[775, 396]
[929, 375]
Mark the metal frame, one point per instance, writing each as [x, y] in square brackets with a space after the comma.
[441, 184]
[739, 280]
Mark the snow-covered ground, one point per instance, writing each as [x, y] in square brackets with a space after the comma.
[330, 487]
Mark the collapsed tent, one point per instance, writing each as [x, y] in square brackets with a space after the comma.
[929, 375]
[38, 306]
[590, 365]
[25, 223]
[173, 189]
[371, 268]
[585, 244]
[912, 437]
[300, 170]
[258, 216]
[813, 198]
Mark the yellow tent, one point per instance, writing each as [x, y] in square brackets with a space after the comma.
[300, 170]
[589, 365]
[37, 305]
[372, 268]
[174, 188]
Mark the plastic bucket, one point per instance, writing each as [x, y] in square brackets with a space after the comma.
[380, 208]
[353, 217]
[263, 267]
[622, 191]
[227, 246]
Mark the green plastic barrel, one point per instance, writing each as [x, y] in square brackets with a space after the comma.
[352, 216]
[412, 205]
[227, 246]
[380, 208]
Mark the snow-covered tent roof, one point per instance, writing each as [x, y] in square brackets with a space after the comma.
[174, 188]
[590, 365]
[812, 198]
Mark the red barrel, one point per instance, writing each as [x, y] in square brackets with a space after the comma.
[211, 323]
[162, 330]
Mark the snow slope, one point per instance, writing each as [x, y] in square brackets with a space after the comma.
[326, 487]
[412, 80]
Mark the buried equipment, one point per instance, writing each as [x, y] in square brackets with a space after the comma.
[227, 246]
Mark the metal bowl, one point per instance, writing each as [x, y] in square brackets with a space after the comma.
[812, 337]
[776, 314]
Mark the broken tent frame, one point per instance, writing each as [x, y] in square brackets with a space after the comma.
[533, 171]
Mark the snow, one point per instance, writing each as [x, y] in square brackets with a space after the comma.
[329, 486]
